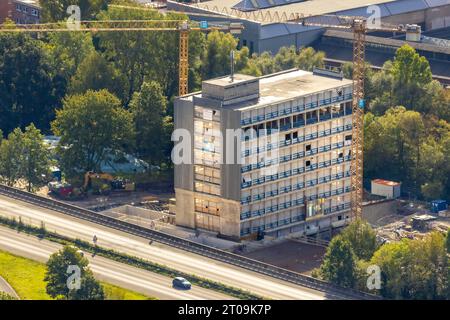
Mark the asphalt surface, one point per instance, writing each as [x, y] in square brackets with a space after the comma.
[174, 258]
[125, 276]
[6, 288]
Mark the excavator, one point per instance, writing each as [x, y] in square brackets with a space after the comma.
[103, 183]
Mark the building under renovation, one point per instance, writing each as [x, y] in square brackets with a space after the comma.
[267, 156]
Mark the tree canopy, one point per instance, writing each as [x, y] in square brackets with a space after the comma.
[58, 278]
[91, 125]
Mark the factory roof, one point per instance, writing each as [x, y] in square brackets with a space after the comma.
[309, 7]
[283, 86]
[322, 7]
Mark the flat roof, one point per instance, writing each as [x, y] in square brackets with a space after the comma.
[284, 86]
[226, 81]
[386, 182]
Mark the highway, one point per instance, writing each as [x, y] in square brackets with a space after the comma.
[177, 259]
[125, 276]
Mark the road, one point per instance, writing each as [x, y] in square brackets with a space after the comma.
[177, 259]
[6, 288]
[125, 276]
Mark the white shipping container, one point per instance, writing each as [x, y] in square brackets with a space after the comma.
[386, 188]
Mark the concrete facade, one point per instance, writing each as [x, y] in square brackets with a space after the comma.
[269, 156]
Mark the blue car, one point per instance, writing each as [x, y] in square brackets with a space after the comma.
[182, 283]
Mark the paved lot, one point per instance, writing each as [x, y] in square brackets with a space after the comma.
[292, 255]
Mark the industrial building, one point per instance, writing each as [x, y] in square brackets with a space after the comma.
[271, 36]
[20, 11]
[288, 168]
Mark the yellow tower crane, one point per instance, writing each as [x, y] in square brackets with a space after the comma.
[184, 27]
[359, 27]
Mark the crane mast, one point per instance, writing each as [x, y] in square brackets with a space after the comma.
[358, 102]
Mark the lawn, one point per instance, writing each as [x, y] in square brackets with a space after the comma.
[27, 278]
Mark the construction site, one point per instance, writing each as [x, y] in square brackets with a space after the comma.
[318, 117]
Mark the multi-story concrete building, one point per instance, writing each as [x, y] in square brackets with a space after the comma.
[287, 170]
[20, 11]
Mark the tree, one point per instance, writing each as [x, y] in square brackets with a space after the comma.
[95, 73]
[11, 157]
[146, 56]
[67, 50]
[411, 72]
[413, 269]
[308, 59]
[91, 126]
[339, 265]
[361, 237]
[216, 57]
[30, 88]
[24, 156]
[57, 276]
[56, 10]
[148, 107]
[36, 161]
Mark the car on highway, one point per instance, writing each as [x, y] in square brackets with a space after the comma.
[182, 283]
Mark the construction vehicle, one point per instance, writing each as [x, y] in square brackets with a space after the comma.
[104, 183]
[61, 190]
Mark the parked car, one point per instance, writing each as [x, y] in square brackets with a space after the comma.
[182, 283]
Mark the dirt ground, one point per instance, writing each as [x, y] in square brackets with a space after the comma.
[292, 255]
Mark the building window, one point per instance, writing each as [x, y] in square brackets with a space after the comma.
[295, 135]
[308, 147]
[206, 206]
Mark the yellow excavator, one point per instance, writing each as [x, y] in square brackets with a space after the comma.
[103, 183]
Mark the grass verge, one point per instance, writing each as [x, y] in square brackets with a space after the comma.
[27, 278]
[42, 233]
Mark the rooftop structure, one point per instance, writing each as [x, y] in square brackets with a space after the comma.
[286, 169]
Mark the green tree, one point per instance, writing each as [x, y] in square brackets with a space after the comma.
[361, 237]
[413, 269]
[57, 277]
[30, 88]
[36, 161]
[308, 59]
[56, 10]
[411, 73]
[95, 73]
[148, 107]
[91, 126]
[217, 54]
[150, 56]
[339, 263]
[67, 50]
[11, 157]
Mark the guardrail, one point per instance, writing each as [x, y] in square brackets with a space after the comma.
[187, 245]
